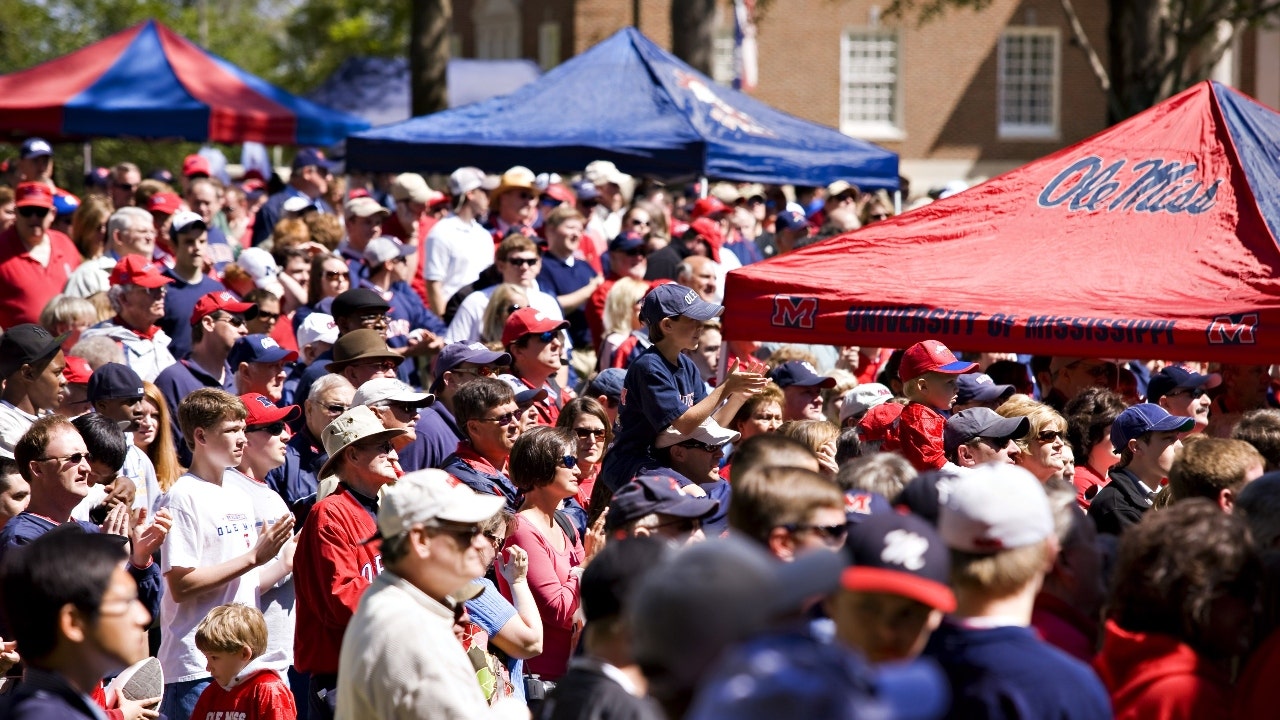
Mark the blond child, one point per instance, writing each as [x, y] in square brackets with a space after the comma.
[232, 637]
[928, 372]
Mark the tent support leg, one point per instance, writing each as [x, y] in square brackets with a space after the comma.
[87, 151]
[897, 202]
[703, 186]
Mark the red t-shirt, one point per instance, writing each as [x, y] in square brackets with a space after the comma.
[264, 696]
[26, 286]
[920, 433]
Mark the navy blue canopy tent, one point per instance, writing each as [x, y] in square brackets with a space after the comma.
[629, 101]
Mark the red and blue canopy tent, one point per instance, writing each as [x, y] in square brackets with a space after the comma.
[149, 82]
[1156, 238]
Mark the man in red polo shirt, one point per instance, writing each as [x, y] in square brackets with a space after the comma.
[35, 261]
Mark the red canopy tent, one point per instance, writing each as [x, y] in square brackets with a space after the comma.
[1156, 238]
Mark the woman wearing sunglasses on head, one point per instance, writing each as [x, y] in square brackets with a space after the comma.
[544, 467]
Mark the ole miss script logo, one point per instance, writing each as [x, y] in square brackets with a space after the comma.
[794, 311]
[1233, 329]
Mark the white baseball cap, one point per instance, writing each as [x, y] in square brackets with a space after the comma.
[390, 389]
[317, 327]
[862, 398]
[428, 495]
[995, 507]
[709, 432]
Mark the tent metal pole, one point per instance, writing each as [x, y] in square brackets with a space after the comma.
[897, 202]
[87, 152]
[703, 186]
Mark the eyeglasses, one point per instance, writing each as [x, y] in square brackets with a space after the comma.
[126, 605]
[74, 459]
[232, 320]
[502, 420]
[637, 252]
[495, 539]
[831, 533]
[637, 221]
[406, 408]
[336, 275]
[1101, 370]
[525, 196]
[681, 526]
[335, 409]
[697, 445]
[482, 371]
[1049, 436]
[34, 212]
[584, 433]
[384, 365]
[127, 187]
[155, 293]
[545, 337]
[464, 535]
[1193, 393]
[272, 429]
[383, 448]
[512, 308]
[518, 262]
[569, 461]
[269, 317]
[879, 216]
[373, 319]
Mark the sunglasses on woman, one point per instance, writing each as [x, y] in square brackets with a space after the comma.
[584, 433]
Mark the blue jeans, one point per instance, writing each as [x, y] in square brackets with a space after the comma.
[180, 698]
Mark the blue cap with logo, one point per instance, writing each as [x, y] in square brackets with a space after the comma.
[114, 380]
[1172, 378]
[454, 354]
[1143, 418]
[791, 220]
[800, 373]
[980, 388]
[258, 348]
[626, 242]
[35, 147]
[655, 492]
[670, 300]
[307, 157]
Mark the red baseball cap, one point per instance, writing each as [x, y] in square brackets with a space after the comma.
[219, 300]
[137, 270]
[32, 194]
[77, 370]
[881, 424]
[709, 230]
[931, 356]
[708, 206]
[196, 165]
[264, 412]
[529, 321]
[164, 202]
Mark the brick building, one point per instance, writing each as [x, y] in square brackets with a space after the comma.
[965, 96]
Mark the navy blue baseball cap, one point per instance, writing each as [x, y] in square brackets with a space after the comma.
[655, 492]
[1145, 418]
[114, 380]
[980, 388]
[626, 242]
[790, 220]
[1172, 378]
[608, 382]
[981, 422]
[799, 372]
[311, 156]
[670, 300]
[900, 554]
[862, 504]
[258, 348]
[923, 496]
[454, 354]
[35, 147]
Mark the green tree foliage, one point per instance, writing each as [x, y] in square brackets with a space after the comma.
[320, 34]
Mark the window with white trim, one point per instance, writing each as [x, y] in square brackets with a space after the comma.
[1028, 83]
[549, 44]
[724, 68]
[870, 84]
[497, 28]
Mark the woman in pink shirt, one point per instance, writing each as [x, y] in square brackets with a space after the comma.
[543, 466]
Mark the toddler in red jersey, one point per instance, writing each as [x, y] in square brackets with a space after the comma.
[928, 373]
[232, 637]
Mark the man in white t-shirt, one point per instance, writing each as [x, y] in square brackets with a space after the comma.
[519, 261]
[266, 434]
[213, 554]
[458, 247]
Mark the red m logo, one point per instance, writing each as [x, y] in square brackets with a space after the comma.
[794, 311]
[1233, 329]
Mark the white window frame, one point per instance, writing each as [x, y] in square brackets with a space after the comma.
[893, 129]
[497, 26]
[1008, 129]
[549, 44]
[724, 65]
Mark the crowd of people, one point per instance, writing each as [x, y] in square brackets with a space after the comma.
[353, 446]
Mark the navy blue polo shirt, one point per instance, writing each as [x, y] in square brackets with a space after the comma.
[296, 479]
[436, 437]
[655, 394]
[557, 278]
[407, 314]
[179, 302]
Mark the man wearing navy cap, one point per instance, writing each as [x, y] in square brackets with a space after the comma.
[626, 257]
[1183, 392]
[654, 505]
[792, 229]
[260, 365]
[979, 390]
[352, 310]
[802, 388]
[437, 429]
[606, 388]
[978, 435]
[1147, 438]
[310, 178]
[35, 162]
[116, 393]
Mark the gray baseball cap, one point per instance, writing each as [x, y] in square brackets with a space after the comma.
[981, 422]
